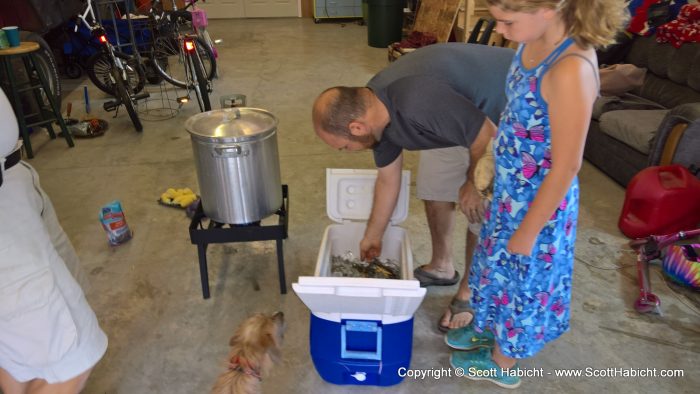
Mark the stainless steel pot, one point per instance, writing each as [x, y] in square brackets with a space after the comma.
[235, 152]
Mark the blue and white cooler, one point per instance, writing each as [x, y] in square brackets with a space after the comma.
[361, 328]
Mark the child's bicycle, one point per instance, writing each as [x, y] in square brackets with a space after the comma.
[118, 71]
[655, 247]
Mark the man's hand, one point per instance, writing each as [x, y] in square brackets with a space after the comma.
[370, 248]
[471, 203]
[386, 193]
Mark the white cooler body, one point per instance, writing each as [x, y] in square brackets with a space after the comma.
[361, 328]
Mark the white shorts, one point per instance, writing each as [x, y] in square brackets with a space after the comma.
[47, 329]
[441, 172]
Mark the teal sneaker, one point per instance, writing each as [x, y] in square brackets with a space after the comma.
[466, 338]
[479, 365]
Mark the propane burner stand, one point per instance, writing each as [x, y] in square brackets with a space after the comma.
[215, 233]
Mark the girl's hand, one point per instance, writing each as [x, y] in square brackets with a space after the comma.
[520, 243]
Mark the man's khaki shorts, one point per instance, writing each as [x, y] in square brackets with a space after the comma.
[441, 172]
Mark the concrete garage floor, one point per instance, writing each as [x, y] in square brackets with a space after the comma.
[164, 338]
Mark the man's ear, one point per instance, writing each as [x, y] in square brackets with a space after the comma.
[358, 128]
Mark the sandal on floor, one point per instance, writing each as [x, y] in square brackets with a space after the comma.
[457, 306]
[427, 279]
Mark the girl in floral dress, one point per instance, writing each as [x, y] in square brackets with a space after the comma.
[522, 271]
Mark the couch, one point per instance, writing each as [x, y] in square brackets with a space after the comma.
[654, 124]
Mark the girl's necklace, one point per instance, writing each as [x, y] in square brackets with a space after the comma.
[556, 44]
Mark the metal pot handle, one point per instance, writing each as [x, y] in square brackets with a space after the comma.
[229, 151]
[231, 115]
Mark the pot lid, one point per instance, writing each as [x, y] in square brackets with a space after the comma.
[232, 124]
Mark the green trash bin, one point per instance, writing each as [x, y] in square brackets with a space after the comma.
[365, 12]
[384, 22]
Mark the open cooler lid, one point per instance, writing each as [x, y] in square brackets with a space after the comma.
[349, 195]
[335, 298]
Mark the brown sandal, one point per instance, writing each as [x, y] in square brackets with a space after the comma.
[427, 279]
[456, 306]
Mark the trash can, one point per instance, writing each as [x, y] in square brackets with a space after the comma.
[365, 11]
[384, 22]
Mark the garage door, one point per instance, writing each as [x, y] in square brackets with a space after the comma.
[220, 9]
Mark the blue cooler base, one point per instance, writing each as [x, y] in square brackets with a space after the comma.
[360, 352]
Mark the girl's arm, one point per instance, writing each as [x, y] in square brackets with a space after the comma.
[569, 88]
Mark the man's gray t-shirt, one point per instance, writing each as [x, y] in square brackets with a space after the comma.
[439, 95]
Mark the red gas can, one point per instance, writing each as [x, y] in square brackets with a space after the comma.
[660, 200]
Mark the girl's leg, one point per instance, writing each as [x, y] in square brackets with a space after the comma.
[501, 359]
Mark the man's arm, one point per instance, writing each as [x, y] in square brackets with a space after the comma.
[470, 202]
[386, 193]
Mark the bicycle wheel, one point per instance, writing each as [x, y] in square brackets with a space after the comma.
[122, 93]
[99, 69]
[169, 61]
[47, 62]
[202, 83]
[204, 35]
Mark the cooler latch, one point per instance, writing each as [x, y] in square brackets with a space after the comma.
[360, 326]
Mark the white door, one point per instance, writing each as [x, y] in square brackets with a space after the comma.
[270, 8]
[222, 9]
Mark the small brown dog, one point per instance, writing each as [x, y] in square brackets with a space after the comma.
[255, 348]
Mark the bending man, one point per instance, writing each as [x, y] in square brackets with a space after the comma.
[444, 100]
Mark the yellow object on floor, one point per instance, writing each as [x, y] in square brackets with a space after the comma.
[181, 197]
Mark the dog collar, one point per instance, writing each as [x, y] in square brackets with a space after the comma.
[236, 364]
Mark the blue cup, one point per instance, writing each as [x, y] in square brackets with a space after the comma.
[12, 33]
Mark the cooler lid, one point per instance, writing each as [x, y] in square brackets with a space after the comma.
[232, 125]
[349, 195]
[360, 296]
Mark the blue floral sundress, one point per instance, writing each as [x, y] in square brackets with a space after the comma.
[524, 300]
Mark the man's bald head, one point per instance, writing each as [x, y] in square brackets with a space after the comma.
[336, 107]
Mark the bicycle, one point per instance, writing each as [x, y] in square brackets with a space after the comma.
[98, 65]
[180, 57]
[649, 249]
[117, 72]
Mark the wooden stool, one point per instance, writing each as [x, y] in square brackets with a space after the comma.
[45, 115]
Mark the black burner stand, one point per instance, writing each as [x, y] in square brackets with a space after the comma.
[216, 234]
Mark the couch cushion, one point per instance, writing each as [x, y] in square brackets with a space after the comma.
[636, 128]
[684, 64]
[604, 104]
[660, 56]
[694, 73]
[666, 92]
[673, 75]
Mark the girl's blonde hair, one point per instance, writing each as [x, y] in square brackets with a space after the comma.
[591, 23]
